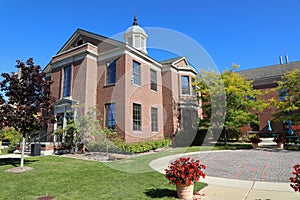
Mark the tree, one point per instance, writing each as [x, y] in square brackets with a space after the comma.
[84, 131]
[10, 134]
[240, 99]
[288, 105]
[28, 104]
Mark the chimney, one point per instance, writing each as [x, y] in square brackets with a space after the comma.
[286, 59]
[280, 60]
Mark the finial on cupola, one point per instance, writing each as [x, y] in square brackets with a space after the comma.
[134, 20]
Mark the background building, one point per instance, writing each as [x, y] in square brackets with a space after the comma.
[138, 96]
[265, 79]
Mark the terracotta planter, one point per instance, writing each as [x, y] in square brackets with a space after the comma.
[280, 145]
[185, 192]
[255, 145]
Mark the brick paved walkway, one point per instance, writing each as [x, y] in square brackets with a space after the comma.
[253, 165]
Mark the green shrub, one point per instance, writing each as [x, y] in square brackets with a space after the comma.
[141, 147]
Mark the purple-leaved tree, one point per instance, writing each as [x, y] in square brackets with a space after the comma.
[27, 106]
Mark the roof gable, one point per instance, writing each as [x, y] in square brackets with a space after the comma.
[181, 62]
[81, 36]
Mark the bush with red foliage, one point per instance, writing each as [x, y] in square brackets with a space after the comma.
[185, 171]
[295, 181]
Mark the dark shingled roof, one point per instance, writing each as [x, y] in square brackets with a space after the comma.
[269, 74]
[170, 61]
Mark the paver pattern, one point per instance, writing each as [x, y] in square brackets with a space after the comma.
[253, 165]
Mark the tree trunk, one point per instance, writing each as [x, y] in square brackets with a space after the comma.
[23, 150]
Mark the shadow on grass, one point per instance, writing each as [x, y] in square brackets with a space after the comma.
[14, 161]
[160, 193]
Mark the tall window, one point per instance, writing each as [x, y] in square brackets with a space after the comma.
[283, 94]
[154, 119]
[136, 73]
[67, 81]
[153, 79]
[110, 111]
[137, 117]
[111, 73]
[185, 85]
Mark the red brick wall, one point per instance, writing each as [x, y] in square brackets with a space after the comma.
[56, 77]
[112, 93]
[268, 114]
[169, 104]
[146, 97]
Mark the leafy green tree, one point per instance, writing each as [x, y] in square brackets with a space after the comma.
[10, 134]
[85, 131]
[240, 99]
[288, 105]
[28, 104]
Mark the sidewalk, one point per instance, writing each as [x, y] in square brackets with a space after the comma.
[233, 189]
[12, 155]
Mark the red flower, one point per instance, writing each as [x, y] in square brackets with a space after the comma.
[184, 170]
[295, 181]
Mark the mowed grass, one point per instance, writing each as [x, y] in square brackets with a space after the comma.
[69, 178]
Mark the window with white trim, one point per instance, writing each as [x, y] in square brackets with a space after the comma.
[110, 114]
[185, 85]
[67, 81]
[154, 119]
[136, 73]
[111, 73]
[137, 117]
[153, 80]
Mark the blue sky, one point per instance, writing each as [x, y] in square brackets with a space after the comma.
[251, 33]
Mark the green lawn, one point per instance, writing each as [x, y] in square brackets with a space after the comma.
[68, 178]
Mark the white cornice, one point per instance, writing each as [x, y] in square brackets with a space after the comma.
[145, 57]
[132, 52]
[74, 57]
[111, 53]
[78, 47]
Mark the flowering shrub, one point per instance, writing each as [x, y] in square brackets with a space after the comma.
[254, 139]
[281, 139]
[295, 181]
[184, 170]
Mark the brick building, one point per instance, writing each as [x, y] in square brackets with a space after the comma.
[138, 96]
[265, 79]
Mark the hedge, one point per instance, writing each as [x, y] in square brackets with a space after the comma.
[141, 147]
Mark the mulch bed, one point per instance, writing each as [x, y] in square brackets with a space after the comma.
[19, 169]
[45, 198]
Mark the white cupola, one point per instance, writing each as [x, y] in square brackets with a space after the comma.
[136, 37]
